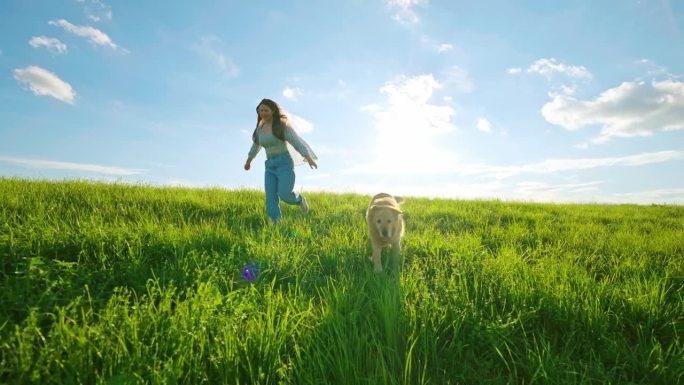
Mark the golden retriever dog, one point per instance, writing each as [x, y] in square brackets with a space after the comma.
[385, 227]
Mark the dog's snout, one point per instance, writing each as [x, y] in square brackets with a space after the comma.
[385, 233]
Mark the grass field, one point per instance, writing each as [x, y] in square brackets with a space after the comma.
[120, 284]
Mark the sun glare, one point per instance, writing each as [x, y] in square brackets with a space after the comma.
[408, 131]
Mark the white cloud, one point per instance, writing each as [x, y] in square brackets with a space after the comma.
[654, 70]
[406, 128]
[208, 48]
[50, 43]
[292, 93]
[55, 165]
[484, 125]
[631, 109]
[444, 47]
[564, 89]
[405, 10]
[45, 83]
[93, 35]
[550, 67]
[413, 92]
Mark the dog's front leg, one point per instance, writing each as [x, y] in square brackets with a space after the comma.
[396, 255]
[377, 258]
[396, 247]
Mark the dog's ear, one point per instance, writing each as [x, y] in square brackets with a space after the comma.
[399, 200]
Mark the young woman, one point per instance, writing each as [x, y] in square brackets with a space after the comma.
[277, 137]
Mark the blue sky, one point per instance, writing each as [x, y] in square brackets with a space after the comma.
[576, 101]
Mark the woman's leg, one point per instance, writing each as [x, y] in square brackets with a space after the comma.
[271, 188]
[286, 181]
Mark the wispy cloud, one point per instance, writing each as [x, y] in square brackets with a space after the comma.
[292, 93]
[50, 43]
[209, 48]
[629, 110]
[550, 67]
[44, 83]
[404, 10]
[484, 125]
[655, 70]
[551, 192]
[438, 46]
[56, 165]
[407, 164]
[96, 10]
[444, 47]
[553, 166]
[93, 35]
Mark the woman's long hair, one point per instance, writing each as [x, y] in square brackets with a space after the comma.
[279, 120]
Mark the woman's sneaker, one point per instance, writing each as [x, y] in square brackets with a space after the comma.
[303, 205]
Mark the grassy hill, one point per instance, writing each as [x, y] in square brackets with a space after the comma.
[119, 284]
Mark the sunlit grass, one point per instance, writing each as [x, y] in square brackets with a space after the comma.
[120, 284]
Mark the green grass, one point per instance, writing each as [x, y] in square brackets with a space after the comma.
[120, 284]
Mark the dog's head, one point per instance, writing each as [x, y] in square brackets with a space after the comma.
[387, 220]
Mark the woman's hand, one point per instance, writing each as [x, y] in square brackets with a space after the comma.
[311, 162]
[248, 164]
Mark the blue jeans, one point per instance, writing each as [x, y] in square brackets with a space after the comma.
[279, 181]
